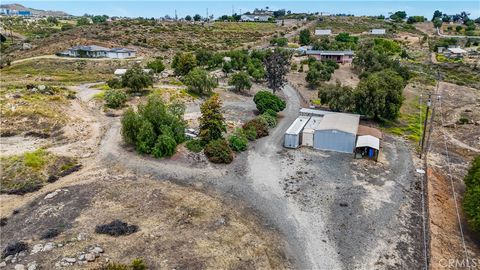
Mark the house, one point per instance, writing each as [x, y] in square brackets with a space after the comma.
[378, 31]
[337, 132]
[255, 18]
[323, 32]
[309, 130]
[454, 52]
[94, 51]
[293, 135]
[337, 56]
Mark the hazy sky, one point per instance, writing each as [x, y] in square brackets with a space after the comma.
[158, 8]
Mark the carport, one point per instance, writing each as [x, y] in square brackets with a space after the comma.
[367, 146]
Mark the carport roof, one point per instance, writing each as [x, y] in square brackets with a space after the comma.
[340, 121]
[368, 141]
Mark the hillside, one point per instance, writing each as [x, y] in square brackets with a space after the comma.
[36, 12]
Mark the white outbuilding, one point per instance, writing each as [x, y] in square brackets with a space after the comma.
[309, 130]
[293, 135]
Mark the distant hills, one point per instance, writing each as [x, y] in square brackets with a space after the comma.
[35, 12]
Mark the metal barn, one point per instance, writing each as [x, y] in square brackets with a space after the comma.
[309, 130]
[293, 135]
[337, 132]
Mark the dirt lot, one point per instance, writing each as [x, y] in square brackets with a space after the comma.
[197, 231]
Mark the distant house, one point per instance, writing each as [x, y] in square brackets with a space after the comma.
[337, 56]
[94, 51]
[452, 51]
[122, 71]
[378, 31]
[255, 18]
[323, 32]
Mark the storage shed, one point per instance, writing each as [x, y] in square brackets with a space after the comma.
[309, 130]
[337, 132]
[367, 146]
[293, 135]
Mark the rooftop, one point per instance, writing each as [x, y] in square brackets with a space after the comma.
[313, 123]
[340, 121]
[320, 32]
[368, 141]
[95, 48]
[317, 52]
[457, 50]
[297, 125]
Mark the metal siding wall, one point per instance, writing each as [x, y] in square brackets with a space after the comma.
[307, 139]
[291, 141]
[334, 140]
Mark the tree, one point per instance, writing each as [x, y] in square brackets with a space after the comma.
[212, 122]
[398, 16]
[338, 98]
[305, 37]
[130, 126]
[99, 19]
[415, 19]
[145, 137]
[200, 82]
[265, 100]
[52, 20]
[156, 65]
[227, 67]
[437, 14]
[83, 21]
[197, 17]
[136, 79]
[437, 22]
[164, 146]
[218, 151]
[240, 81]
[115, 98]
[183, 63]
[203, 56]
[279, 41]
[379, 96]
[188, 18]
[276, 67]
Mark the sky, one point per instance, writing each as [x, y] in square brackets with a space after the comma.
[159, 8]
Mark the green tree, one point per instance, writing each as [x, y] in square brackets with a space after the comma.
[398, 16]
[156, 65]
[437, 14]
[227, 67]
[265, 100]
[52, 20]
[145, 137]
[437, 22]
[338, 98]
[305, 37]
[203, 56]
[82, 21]
[115, 98]
[197, 17]
[212, 122]
[218, 151]
[240, 81]
[130, 126]
[183, 63]
[164, 146]
[198, 81]
[379, 96]
[136, 79]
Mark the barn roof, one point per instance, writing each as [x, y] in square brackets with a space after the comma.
[297, 125]
[313, 123]
[340, 121]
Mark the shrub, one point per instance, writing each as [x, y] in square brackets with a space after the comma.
[212, 122]
[218, 151]
[14, 248]
[115, 98]
[164, 147]
[145, 137]
[271, 113]
[50, 233]
[136, 264]
[156, 65]
[471, 200]
[265, 100]
[240, 81]
[114, 83]
[250, 133]
[116, 228]
[259, 125]
[271, 121]
[130, 126]
[200, 82]
[238, 142]
[195, 146]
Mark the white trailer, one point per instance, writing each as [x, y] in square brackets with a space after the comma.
[293, 135]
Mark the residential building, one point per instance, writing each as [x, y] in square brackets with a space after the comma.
[255, 18]
[337, 56]
[94, 51]
[378, 31]
[323, 32]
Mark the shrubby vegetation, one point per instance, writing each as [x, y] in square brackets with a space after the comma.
[265, 100]
[200, 82]
[260, 126]
[471, 200]
[114, 98]
[183, 63]
[156, 65]
[155, 129]
[238, 141]
[195, 146]
[136, 79]
[218, 151]
[136, 264]
[212, 122]
[319, 71]
[240, 81]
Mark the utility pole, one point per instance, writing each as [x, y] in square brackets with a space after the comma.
[429, 103]
[208, 19]
[176, 17]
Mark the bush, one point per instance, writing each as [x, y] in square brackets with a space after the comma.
[218, 151]
[116, 228]
[115, 98]
[156, 65]
[259, 125]
[471, 200]
[145, 137]
[114, 83]
[270, 120]
[199, 81]
[195, 146]
[50, 233]
[136, 264]
[250, 133]
[265, 100]
[240, 81]
[238, 141]
[271, 113]
[164, 147]
[14, 248]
